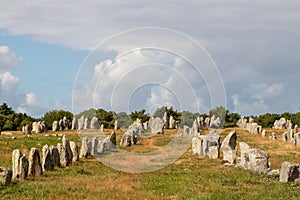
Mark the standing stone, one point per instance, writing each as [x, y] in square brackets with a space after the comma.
[74, 149]
[74, 123]
[213, 152]
[166, 120]
[126, 139]
[285, 137]
[244, 160]
[113, 139]
[61, 125]
[95, 123]
[207, 122]
[102, 128]
[171, 122]
[157, 125]
[258, 160]
[5, 176]
[229, 148]
[273, 136]
[145, 125]
[27, 129]
[35, 167]
[47, 163]
[296, 128]
[195, 128]
[215, 122]
[297, 138]
[116, 125]
[19, 165]
[210, 140]
[63, 157]
[264, 133]
[66, 123]
[81, 123]
[186, 130]
[95, 143]
[86, 123]
[55, 126]
[66, 144]
[86, 148]
[55, 156]
[197, 146]
[289, 172]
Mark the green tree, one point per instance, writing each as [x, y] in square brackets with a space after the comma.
[220, 112]
[55, 115]
[188, 118]
[266, 120]
[159, 112]
[124, 120]
[105, 117]
[5, 110]
[141, 115]
[231, 119]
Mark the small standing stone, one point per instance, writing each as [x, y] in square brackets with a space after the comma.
[63, 157]
[66, 144]
[35, 167]
[86, 148]
[229, 148]
[19, 165]
[74, 149]
[113, 138]
[55, 156]
[5, 176]
[47, 163]
[289, 172]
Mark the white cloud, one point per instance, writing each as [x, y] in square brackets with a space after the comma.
[22, 102]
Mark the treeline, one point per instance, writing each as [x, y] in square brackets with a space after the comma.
[11, 120]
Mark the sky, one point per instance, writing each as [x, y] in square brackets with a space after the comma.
[131, 55]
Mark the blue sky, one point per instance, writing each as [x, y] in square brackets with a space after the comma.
[254, 48]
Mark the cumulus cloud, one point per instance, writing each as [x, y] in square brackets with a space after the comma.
[22, 102]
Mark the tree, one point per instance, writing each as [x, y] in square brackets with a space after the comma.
[188, 118]
[220, 112]
[170, 112]
[231, 119]
[266, 120]
[5, 110]
[124, 120]
[105, 117]
[141, 115]
[55, 115]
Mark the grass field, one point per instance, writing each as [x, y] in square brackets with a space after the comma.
[187, 178]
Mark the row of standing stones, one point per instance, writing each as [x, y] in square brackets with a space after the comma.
[64, 154]
[203, 145]
[289, 172]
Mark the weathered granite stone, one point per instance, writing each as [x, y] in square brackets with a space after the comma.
[215, 122]
[86, 124]
[285, 137]
[66, 144]
[95, 143]
[297, 138]
[157, 125]
[289, 172]
[228, 148]
[186, 130]
[63, 157]
[207, 122]
[86, 148]
[273, 136]
[27, 129]
[81, 123]
[19, 165]
[55, 126]
[172, 122]
[166, 120]
[197, 146]
[264, 133]
[47, 162]
[5, 176]
[116, 125]
[126, 139]
[113, 139]
[280, 124]
[210, 140]
[258, 160]
[61, 125]
[74, 123]
[55, 156]
[66, 123]
[95, 123]
[195, 129]
[102, 128]
[74, 150]
[244, 160]
[213, 152]
[35, 167]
